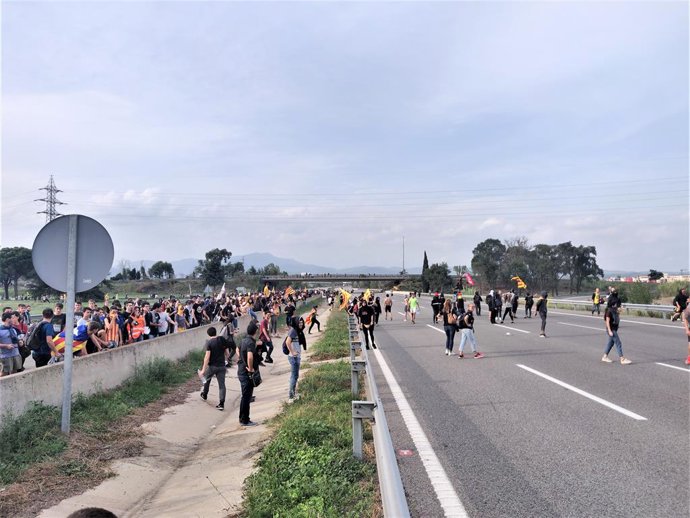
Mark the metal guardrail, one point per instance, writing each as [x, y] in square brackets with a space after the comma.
[392, 491]
[628, 307]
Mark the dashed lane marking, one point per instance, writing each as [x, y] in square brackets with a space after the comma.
[513, 328]
[601, 318]
[673, 366]
[584, 327]
[597, 399]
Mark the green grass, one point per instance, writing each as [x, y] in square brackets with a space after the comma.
[308, 469]
[334, 343]
[35, 435]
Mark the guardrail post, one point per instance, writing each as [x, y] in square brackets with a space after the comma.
[357, 367]
[360, 410]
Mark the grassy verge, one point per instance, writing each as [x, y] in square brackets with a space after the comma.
[308, 470]
[35, 436]
[335, 342]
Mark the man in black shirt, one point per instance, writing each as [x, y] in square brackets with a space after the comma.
[214, 365]
[680, 302]
[289, 311]
[247, 363]
[366, 321]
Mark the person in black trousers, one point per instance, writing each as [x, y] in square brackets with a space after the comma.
[477, 302]
[247, 363]
[366, 321]
[217, 353]
[314, 320]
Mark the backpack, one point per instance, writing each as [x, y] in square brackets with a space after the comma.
[33, 336]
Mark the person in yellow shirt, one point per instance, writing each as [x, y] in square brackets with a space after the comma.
[596, 302]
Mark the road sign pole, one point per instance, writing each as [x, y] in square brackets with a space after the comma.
[69, 325]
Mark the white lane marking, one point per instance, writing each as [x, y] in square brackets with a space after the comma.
[436, 329]
[445, 492]
[513, 328]
[673, 366]
[584, 327]
[400, 313]
[585, 394]
[602, 318]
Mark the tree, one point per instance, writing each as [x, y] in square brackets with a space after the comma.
[437, 277]
[252, 271]
[269, 269]
[161, 270]
[486, 259]
[142, 272]
[585, 265]
[544, 266]
[515, 261]
[655, 275]
[15, 263]
[425, 267]
[232, 269]
[212, 270]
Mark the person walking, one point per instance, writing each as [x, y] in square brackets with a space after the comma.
[596, 302]
[477, 300]
[377, 310]
[414, 305]
[314, 320]
[406, 301]
[508, 301]
[542, 310]
[612, 319]
[466, 325]
[529, 302]
[388, 306]
[217, 354]
[10, 359]
[450, 321]
[247, 364]
[436, 306]
[686, 324]
[366, 321]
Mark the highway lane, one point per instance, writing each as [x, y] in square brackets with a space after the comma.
[516, 444]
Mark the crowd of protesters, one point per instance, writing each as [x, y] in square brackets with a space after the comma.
[100, 327]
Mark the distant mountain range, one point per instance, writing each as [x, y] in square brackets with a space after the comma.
[184, 267]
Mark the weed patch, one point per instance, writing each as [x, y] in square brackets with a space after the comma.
[308, 470]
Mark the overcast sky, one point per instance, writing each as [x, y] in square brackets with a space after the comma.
[325, 132]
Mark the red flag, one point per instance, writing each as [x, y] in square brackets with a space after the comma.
[469, 279]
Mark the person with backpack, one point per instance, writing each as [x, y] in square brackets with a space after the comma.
[612, 320]
[41, 340]
[466, 326]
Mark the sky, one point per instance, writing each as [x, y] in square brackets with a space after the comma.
[327, 131]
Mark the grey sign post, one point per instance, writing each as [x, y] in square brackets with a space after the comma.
[72, 254]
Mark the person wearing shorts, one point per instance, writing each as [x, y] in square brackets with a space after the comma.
[388, 307]
[414, 305]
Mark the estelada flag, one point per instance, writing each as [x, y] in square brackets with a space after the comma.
[78, 343]
[520, 283]
[469, 279]
[307, 321]
[289, 291]
[346, 298]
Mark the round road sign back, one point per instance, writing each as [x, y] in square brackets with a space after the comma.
[94, 256]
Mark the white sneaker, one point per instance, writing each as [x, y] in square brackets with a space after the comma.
[625, 361]
[606, 359]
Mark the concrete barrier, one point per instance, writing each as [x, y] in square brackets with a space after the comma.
[95, 372]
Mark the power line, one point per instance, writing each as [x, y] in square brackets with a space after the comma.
[50, 200]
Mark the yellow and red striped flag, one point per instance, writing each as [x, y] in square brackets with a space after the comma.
[520, 283]
[289, 291]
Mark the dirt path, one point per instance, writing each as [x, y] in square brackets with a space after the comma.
[195, 459]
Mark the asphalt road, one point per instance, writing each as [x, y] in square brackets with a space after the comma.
[515, 444]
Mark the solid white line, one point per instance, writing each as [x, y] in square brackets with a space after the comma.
[436, 329]
[585, 394]
[584, 327]
[513, 328]
[401, 314]
[673, 366]
[602, 318]
[445, 492]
